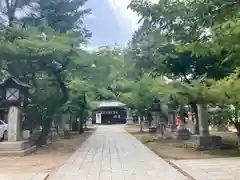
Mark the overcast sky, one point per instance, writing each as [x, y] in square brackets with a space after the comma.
[111, 22]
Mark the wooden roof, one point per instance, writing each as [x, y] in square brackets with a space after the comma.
[18, 82]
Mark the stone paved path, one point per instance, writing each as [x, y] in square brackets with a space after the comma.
[211, 169]
[113, 154]
[23, 176]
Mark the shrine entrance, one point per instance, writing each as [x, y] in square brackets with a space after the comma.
[110, 114]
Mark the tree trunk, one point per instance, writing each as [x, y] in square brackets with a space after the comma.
[238, 135]
[42, 140]
[181, 113]
[236, 111]
[195, 111]
[141, 124]
[81, 130]
[149, 119]
[139, 120]
[237, 124]
[11, 10]
[238, 142]
[163, 129]
[149, 123]
[158, 126]
[81, 123]
[85, 124]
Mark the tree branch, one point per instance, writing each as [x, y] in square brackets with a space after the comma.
[227, 6]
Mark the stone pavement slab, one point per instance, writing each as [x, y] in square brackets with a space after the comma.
[24, 176]
[113, 154]
[211, 169]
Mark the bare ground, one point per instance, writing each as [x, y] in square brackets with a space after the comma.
[45, 159]
[175, 150]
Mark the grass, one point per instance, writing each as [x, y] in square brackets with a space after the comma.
[230, 148]
[174, 149]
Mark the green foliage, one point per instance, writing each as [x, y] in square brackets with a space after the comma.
[194, 43]
[221, 116]
[64, 16]
[41, 48]
[226, 91]
[139, 95]
[187, 23]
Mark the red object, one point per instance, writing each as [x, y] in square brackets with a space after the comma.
[178, 121]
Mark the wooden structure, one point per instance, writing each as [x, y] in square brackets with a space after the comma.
[109, 112]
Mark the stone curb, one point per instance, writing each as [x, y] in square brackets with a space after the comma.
[180, 170]
[41, 176]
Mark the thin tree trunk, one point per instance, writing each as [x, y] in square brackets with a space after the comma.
[195, 110]
[85, 124]
[181, 113]
[141, 124]
[237, 124]
[45, 131]
[238, 142]
[11, 9]
[81, 130]
[149, 123]
[236, 112]
[158, 126]
[81, 122]
[163, 129]
[139, 120]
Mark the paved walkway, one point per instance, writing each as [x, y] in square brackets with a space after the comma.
[211, 169]
[24, 176]
[113, 154]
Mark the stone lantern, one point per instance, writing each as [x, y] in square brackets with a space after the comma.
[173, 130]
[13, 92]
[13, 97]
[156, 116]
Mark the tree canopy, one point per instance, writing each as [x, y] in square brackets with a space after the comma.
[195, 44]
[185, 52]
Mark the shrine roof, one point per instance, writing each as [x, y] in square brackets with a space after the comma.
[105, 104]
[4, 80]
[111, 104]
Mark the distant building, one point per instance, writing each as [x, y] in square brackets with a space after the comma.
[109, 112]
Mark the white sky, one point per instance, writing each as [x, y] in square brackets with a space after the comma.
[126, 15]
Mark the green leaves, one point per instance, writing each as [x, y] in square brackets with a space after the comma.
[228, 88]
[185, 40]
[139, 95]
